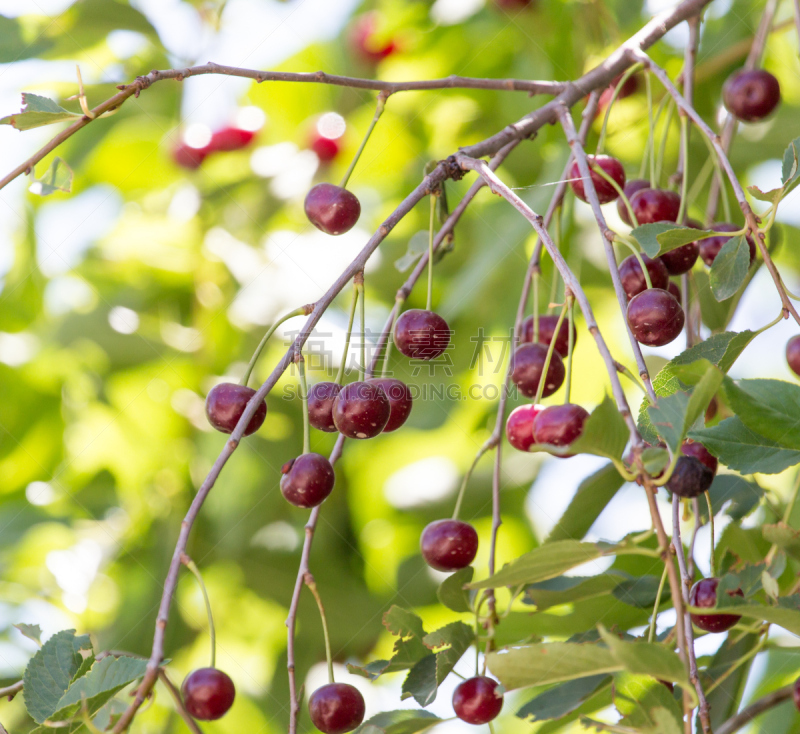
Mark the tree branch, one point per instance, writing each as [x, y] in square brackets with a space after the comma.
[746, 715]
[194, 727]
[11, 690]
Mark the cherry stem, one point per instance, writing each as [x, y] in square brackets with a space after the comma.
[623, 370]
[382, 96]
[726, 205]
[651, 129]
[700, 180]
[176, 696]
[301, 372]
[390, 337]
[343, 363]
[302, 311]
[308, 578]
[481, 451]
[652, 634]
[629, 243]
[535, 275]
[711, 528]
[662, 148]
[190, 564]
[362, 317]
[685, 171]
[430, 252]
[571, 343]
[624, 78]
[550, 350]
[599, 171]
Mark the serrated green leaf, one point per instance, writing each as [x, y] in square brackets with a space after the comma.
[771, 408]
[786, 614]
[31, 631]
[36, 112]
[568, 589]
[729, 269]
[781, 535]
[405, 721]
[452, 593]
[674, 238]
[454, 638]
[370, 671]
[408, 650]
[563, 699]
[647, 236]
[421, 681]
[790, 157]
[402, 622]
[643, 701]
[84, 668]
[58, 177]
[50, 671]
[743, 495]
[655, 460]
[772, 196]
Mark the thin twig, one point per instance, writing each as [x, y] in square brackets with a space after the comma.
[11, 690]
[176, 696]
[746, 715]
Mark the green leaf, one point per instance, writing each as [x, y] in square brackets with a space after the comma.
[773, 196]
[724, 699]
[675, 238]
[58, 177]
[404, 623]
[568, 589]
[640, 591]
[647, 236]
[417, 246]
[50, 672]
[545, 562]
[84, 668]
[771, 408]
[593, 494]
[421, 681]
[744, 496]
[655, 460]
[405, 721]
[36, 112]
[781, 535]
[452, 593]
[729, 269]
[790, 157]
[744, 450]
[642, 701]
[786, 614]
[454, 639]
[31, 631]
[13, 44]
[371, 671]
[563, 699]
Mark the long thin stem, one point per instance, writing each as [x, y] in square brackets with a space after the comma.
[746, 715]
[570, 343]
[711, 528]
[481, 451]
[176, 697]
[685, 171]
[651, 134]
[301, 373]
[362, 313]
[302, 311]
[535, 278]
[312, 587]
[652, 634]
[343, 363]
[430, 253]
[382, 97]
[390, 339]
[190, 564]
[620, 84]
[550, 349]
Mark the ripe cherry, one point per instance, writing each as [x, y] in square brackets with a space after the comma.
[365, 41]
[207, 693]
[321, 397]
[477, 700]
[655, 317]
[704, 594]
[796, 694]
[559, 425]
[751, 94]
[605, 191]
[231, 138]
[400, 400]
[700, 452]
[326, 148]
[626, 90]
[332, 209]
[361, 410]
[710, 247]
[630, 188]
[336, 708]
[547, 325]
[690, 477]
[225, 404]
[448, 545]
[681, 259]
[632, 277]
[656, 205]
[420, 334]
[307, 480]
[527, 366]
[519, 426]
[188, 157]
[675, 291]
[793, 354]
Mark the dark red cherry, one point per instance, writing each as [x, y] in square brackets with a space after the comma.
[796, 694]
[226, 403]
[188, 157]
[421, 334]
[656, 205]
[231, 138]
[751, 94]
[336, 708]
[361, 410]
[477, 700]
[400, 400]
[626, 90]
[630, 188]
[700, 452]
[704, 594]
[675, 291]
[448, 545]
[710, 247]
[547, 325]
[519, 426]
[655, 317]
[332, 209]
[366, 42]
[326, 148]
[207, 693]
[632, 277]
[321, 397]
[793, 354]
[605, 191]
[690, 477]
[307, 480]
[527, 366]
[559, 425]
[681, 259]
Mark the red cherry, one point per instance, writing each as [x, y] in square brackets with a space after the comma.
[605, 191]
[326, 148]
[226, 403]
[519, 426]
[420, 334]
[188, 157]
[704, 594]
[559, 425]
[231, 138]
[547, 325]
[710, 247]
[751, 94]
[336, 708]
[307, 480]
[681, 259]
[655, 205]
[630, 188]
[700, 452]
[207, 693]
[793, 354]
[632, 277]
[655, 317]
[527, 366]
[361, 410]
[364, 41]
[690, 477]
[477, 700]
[321, 397]
[400, 400]
[626, 90]
[675, 291]
[332, 209]
[796, 694]
[448, 545]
